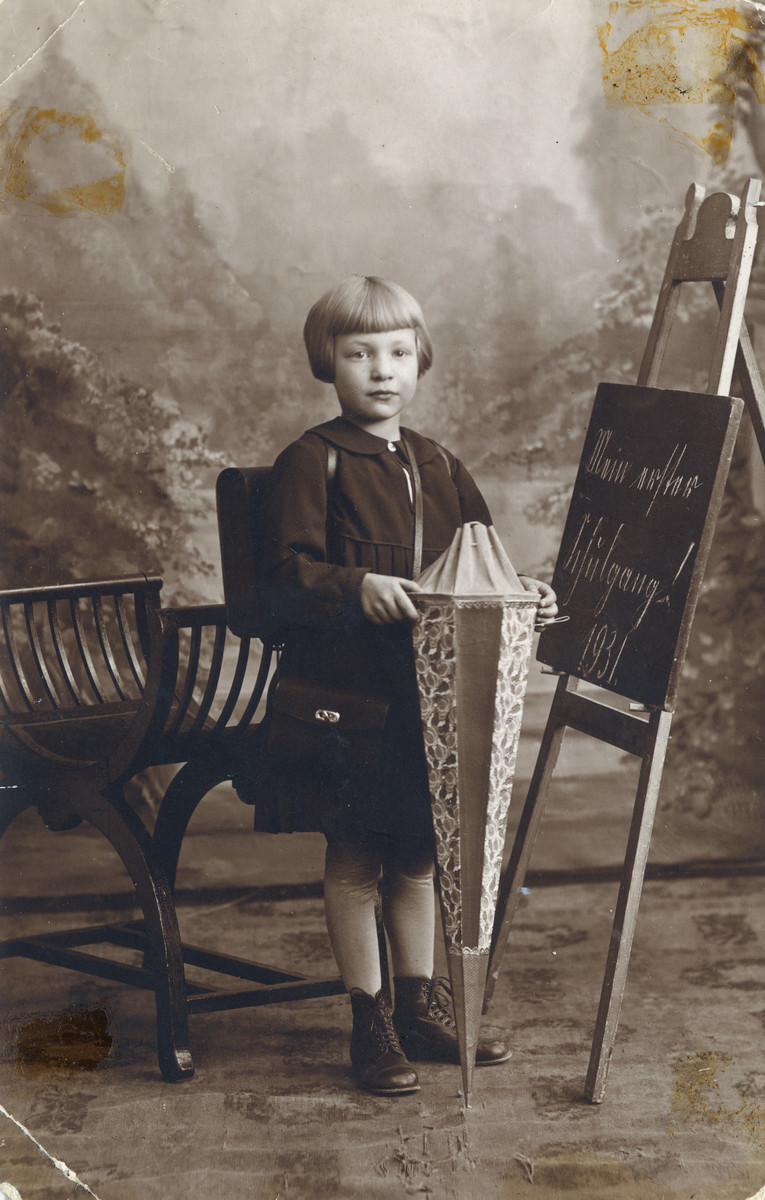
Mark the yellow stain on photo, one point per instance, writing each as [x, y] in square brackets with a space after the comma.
[62, 162]
[657, 56]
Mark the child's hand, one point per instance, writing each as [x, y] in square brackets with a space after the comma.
[547, 609]
[384, 599]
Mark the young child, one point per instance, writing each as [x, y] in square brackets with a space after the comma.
[336, 561]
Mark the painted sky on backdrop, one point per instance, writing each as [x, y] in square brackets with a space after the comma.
[404, 137]
[480, 90]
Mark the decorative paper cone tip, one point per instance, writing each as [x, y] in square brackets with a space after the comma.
[472, 646]
[474, 565]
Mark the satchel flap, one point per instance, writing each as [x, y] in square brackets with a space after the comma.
[338, 711]
[238, 492]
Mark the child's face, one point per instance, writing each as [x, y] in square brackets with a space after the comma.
[376, 377]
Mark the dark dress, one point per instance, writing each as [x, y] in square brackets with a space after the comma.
[319, 539]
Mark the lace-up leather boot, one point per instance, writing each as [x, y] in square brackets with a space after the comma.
[425, 1025]
[376, 1055]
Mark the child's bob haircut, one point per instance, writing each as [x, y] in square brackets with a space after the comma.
[362, 304]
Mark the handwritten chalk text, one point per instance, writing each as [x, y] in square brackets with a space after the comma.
[594, 557]
[597, 557]
[658, 482]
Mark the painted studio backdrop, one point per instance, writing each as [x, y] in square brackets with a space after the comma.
[180, 179]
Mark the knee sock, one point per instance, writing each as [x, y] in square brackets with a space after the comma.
[409, 910]
[351, 876]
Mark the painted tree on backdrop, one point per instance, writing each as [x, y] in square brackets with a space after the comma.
[98, 476]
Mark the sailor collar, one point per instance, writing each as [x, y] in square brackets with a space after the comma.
[343, 433]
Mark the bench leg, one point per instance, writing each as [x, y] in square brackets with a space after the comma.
[117, 821]
[179, 803]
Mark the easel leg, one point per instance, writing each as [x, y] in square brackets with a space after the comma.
[751, 386]
[749, 376]
[528, 828]
[627, 906]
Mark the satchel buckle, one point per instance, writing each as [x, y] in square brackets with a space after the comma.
[327, 716]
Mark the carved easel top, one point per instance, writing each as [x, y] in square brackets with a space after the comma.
[713, 231]
[714, 242]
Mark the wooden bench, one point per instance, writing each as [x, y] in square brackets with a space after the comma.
[97, 683]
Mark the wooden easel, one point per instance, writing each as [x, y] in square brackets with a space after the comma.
[714, 242]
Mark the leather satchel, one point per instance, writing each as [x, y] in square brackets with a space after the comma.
[336, 730]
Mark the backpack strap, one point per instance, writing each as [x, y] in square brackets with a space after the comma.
[417, 488]
[331, 462]
[444, 456]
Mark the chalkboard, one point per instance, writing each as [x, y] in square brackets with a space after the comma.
[637, 537]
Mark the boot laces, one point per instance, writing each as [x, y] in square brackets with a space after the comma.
[382, 1028]
[440, 1003]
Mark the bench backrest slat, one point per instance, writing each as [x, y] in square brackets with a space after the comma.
[61, 655]
[213, 678]
[38, 654]
[83, 646]
[257, 691]
[237, 679]
[128, 643]
[184, 700]
[17, 667]
[6, 697]
[106, 646]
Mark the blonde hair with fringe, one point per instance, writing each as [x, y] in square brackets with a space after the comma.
[362, 304]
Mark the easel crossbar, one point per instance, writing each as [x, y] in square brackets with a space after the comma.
[624, 730]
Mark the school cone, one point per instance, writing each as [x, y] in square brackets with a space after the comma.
[472, 647]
